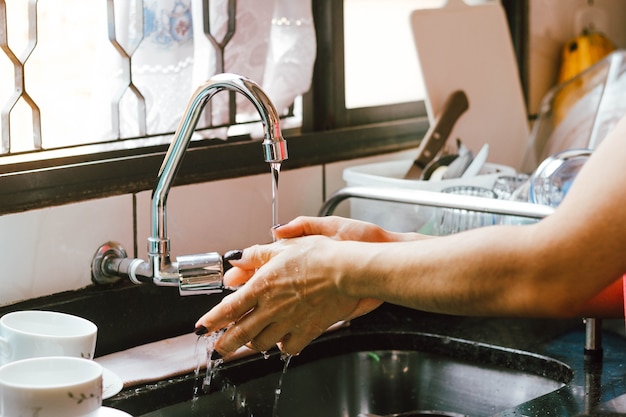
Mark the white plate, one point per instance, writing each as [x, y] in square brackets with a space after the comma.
[111, 384]
[112, 412]
[477, 164]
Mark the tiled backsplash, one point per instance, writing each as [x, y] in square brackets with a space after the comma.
[47, 251]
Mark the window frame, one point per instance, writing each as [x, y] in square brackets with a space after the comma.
[329, 133]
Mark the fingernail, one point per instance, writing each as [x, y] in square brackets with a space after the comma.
[276, 226]
[215, 355]
[200, 330]
[233, 255]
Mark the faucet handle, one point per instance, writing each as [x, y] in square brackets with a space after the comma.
[201, 273]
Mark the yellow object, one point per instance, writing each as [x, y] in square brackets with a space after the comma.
[582, 52]
[577, 55]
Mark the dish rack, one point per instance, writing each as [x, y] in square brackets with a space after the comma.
[580, 112]
[436, 199]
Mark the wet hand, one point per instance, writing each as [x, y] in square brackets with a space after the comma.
[338, 228]
[290, 297]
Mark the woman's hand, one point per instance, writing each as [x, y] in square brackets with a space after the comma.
[290, 296]
[340, 228]
[334, 227]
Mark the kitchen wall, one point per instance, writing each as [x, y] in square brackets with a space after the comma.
[49, 250]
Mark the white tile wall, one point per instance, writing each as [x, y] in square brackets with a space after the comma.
[48, 251]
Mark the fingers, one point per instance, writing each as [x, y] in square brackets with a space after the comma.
[253, 331]
[294, 228]
[337, 228]
[275, 334]
[303, 226]
[236, 277]
[243, 268]
[230, 309]
[265, 340]
[293, 343]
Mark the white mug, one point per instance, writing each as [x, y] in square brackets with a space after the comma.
[54, 386]
[36, 333]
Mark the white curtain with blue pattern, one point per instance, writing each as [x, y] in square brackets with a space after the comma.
[273, 44]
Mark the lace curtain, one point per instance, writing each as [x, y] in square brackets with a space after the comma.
[170, 55]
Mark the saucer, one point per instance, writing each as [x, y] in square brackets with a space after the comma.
[111, 384]
[111, 412]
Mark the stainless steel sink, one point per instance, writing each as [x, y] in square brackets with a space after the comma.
[347, 375]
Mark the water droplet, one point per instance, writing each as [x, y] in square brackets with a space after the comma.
[286, 358]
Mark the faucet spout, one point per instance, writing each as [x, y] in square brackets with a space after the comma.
[274, 147]
[192, 273]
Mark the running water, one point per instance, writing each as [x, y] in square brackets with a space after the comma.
[285, 358]
[275, 168]
[207, 350]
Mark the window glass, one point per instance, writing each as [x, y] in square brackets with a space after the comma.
[381, 65]
[76, 72]
[59, 74]
[379, 47]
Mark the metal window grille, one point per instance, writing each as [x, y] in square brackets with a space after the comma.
[19, 82]
[19, 60]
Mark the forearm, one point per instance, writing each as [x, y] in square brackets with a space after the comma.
[457, 274]
[499, 271]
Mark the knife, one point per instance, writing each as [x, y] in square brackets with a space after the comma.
[438, 133]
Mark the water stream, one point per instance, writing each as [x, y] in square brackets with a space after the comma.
[285, 358]
[207, 346]
[275, 169]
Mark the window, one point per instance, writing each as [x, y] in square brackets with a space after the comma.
[371, 26]
[126, 68]
[63, 172]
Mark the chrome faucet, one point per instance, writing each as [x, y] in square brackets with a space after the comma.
[193, 274]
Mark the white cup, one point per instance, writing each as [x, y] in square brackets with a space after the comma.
[36, 333]
[54, 386]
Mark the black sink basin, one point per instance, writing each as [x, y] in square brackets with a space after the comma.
[347, 374]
